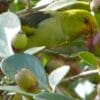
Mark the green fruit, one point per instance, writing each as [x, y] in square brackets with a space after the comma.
[28, 30]
[19, 42]
[58, 61]
[55, 62]
[27, 81]
[17, 97]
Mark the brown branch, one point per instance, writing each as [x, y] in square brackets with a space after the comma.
[82, 75]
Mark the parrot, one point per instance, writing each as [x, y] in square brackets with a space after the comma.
[63, 26]
[55, 28]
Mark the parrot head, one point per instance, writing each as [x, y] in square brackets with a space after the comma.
[76, 23]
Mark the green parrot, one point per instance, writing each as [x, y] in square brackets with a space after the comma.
[55, 28]
[61, 27]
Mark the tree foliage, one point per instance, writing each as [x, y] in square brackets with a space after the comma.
[65, 70]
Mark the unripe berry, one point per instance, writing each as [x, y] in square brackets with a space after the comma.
[17, 97]
[19, 42]
[58, 61]
[27, 81]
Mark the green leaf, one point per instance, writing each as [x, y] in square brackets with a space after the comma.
[51, 96]
[40, 96]
[57, 75]
[16, 62]
[34, 50]
[9, 26]
[67, 4]
[89, 58]
[15, 89]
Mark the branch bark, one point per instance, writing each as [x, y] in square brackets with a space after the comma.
[25, 12]
[82, 75]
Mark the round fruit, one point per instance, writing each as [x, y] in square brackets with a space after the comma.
[27, 81]
[17, 97]
[55, 62]
[19, 42]
[58, 61]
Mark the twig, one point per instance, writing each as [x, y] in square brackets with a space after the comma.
[29, 4]
[25, 12]
[54, 52]
[81, 75]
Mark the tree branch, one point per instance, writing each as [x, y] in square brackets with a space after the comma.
[29, 4]
[82, 75]
[25, 12]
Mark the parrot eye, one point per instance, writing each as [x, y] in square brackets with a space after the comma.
[86, 21]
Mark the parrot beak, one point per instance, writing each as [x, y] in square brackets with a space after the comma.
[93, 41]
[96, 39]
[89, 43]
